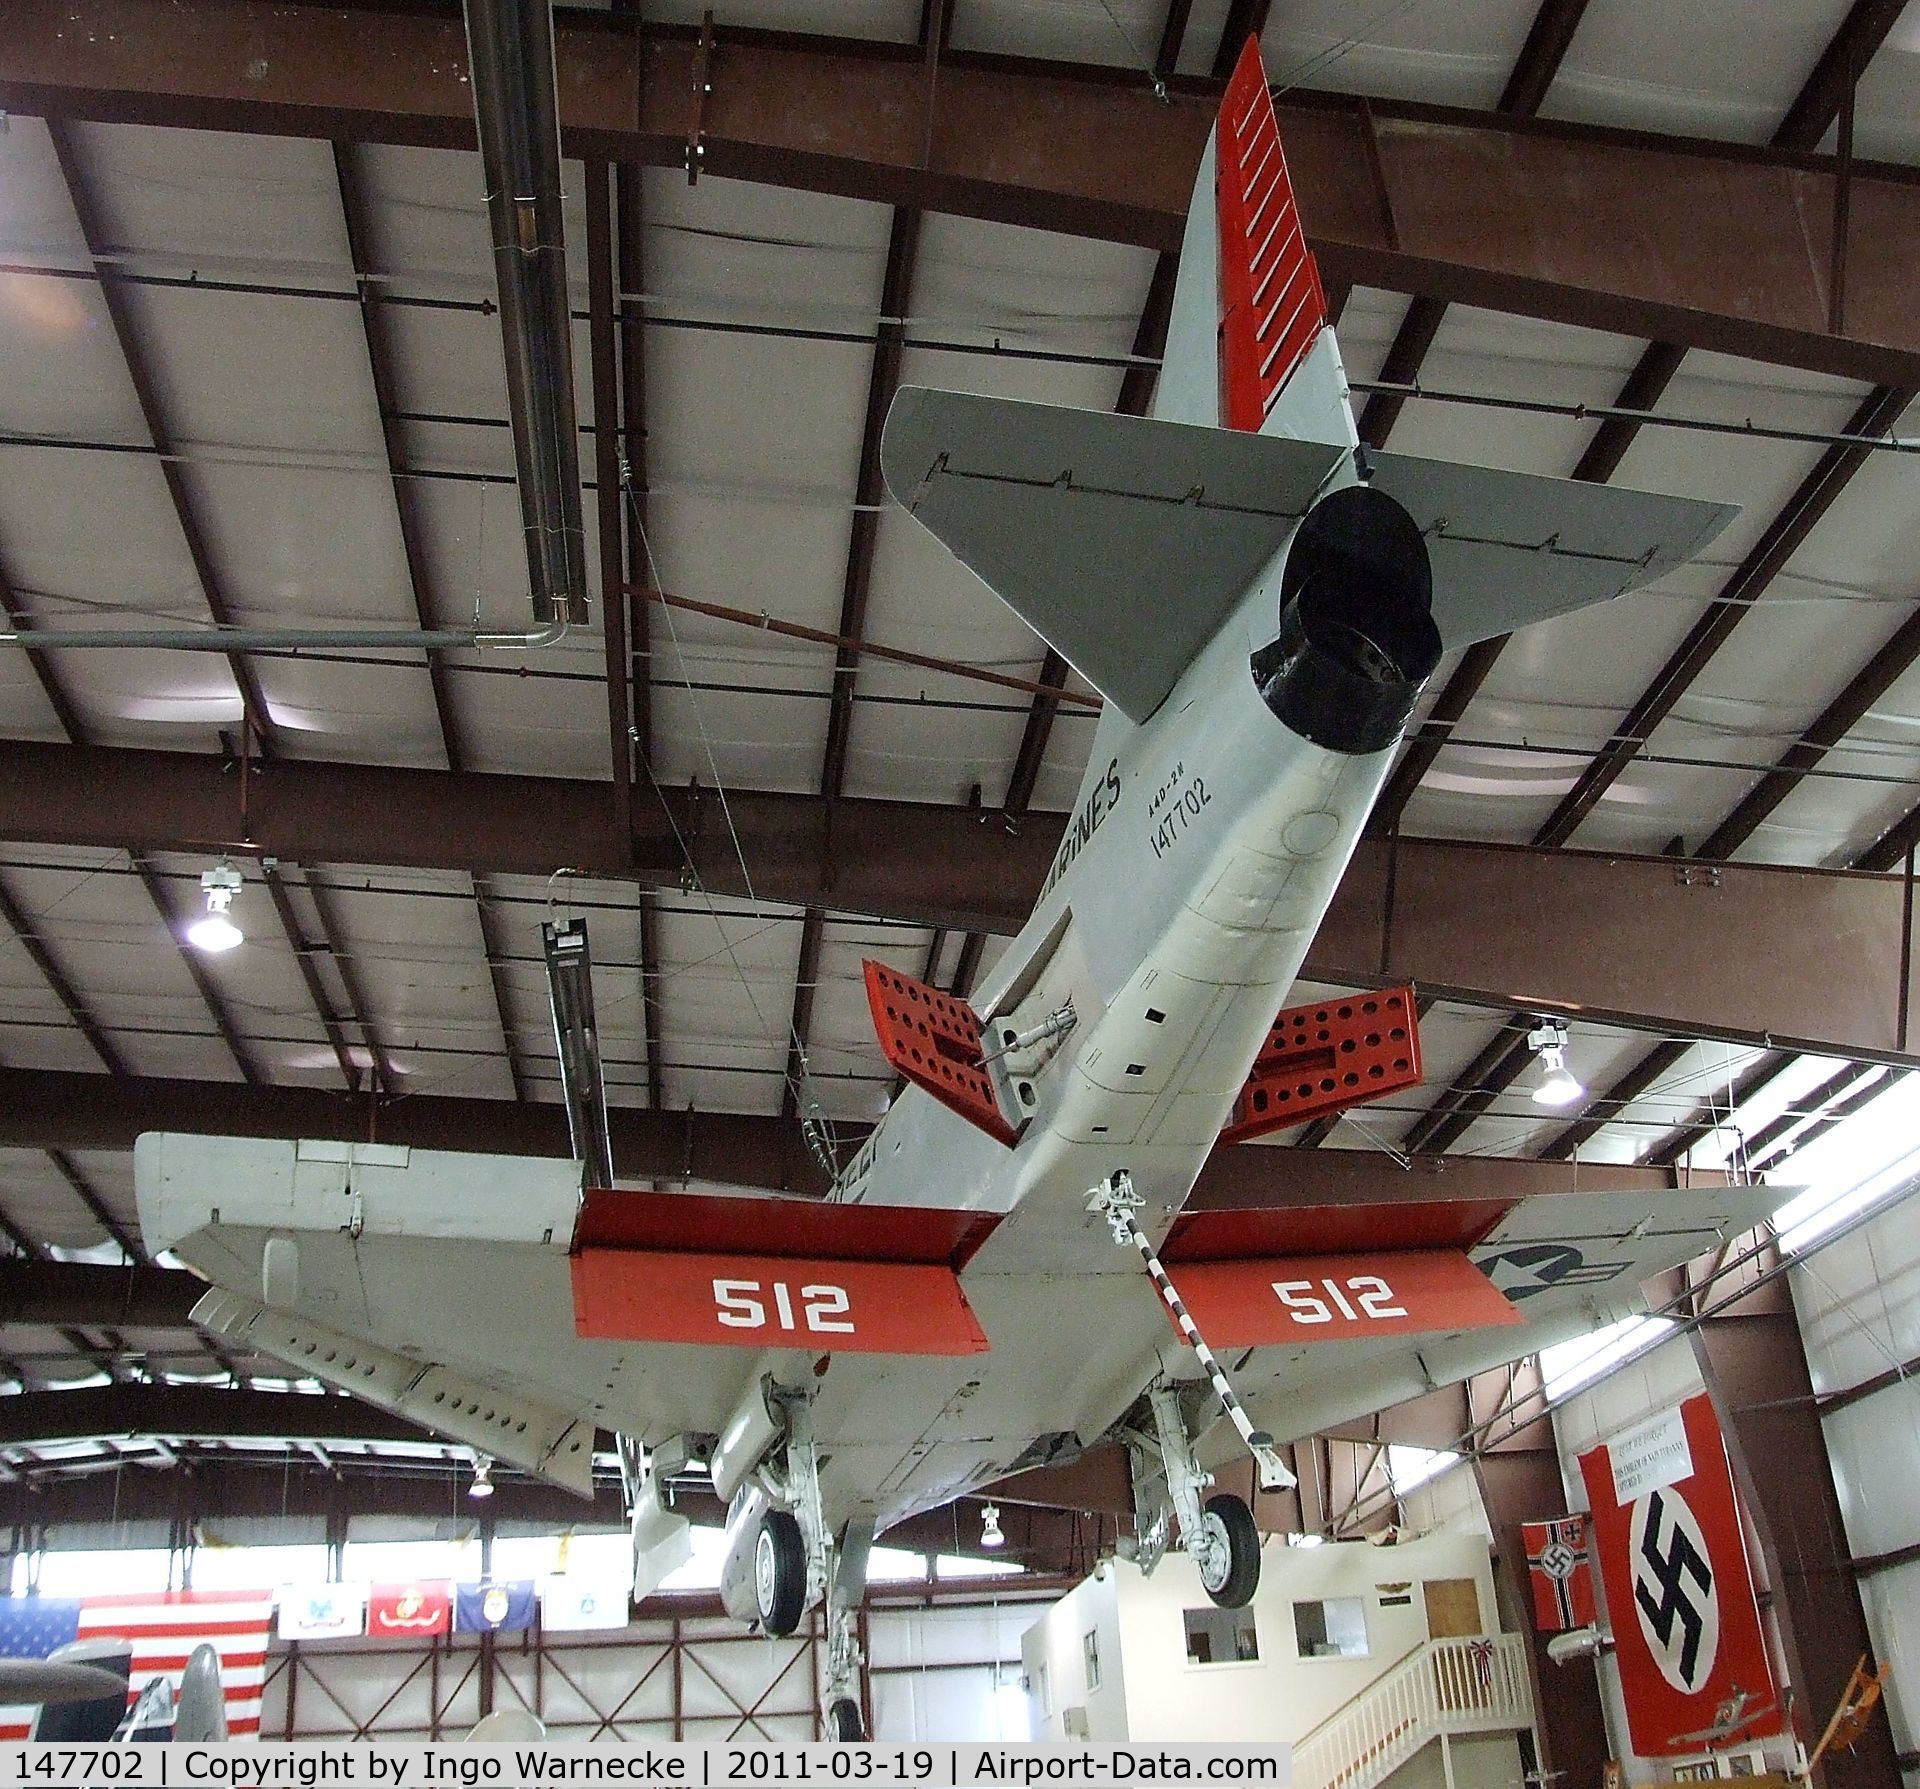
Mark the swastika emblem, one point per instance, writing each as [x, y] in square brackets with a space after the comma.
[1674, 1591]
[1557, 1560]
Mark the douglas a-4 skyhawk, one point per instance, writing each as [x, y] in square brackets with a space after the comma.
[990, 1284]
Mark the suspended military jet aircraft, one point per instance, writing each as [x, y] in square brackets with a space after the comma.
[988, 1287]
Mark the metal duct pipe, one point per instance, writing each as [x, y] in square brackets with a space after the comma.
[583, 1086]
[516, 108]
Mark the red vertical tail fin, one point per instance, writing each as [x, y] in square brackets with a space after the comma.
[1271, 304]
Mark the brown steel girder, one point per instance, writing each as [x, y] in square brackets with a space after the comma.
[1641, 942]
[1710, 245]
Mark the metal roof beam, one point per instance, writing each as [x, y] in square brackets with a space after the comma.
[1634, 941]
[377, 331]
[1806, 122]
[1841, 64]
[60, 1292]
[1727, 249]
[1799, 516]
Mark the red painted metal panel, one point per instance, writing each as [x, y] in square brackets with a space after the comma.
[1339, 1298]
[933, 1039]
[769, 1301]
[1274, 1232]
[616, 1218]
[1325, 1057]
[1271, 304]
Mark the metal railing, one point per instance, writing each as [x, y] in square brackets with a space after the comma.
[1444, 1687]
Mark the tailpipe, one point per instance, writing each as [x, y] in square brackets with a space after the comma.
[1357, 639]
[510, 52]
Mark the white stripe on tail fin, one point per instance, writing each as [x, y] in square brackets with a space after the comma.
[1249, 346]
[1271, 305]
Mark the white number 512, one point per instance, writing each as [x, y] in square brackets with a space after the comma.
[1373, 1295]
[740, 1304]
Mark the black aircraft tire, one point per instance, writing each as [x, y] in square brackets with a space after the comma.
[844, 1725]
[1236, 1527]
[779, 1573]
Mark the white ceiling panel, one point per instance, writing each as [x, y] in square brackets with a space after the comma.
[1486, 354]
[227, 385]
[428, 220]
[1456, 55]
[725, 250]
[1706, 81]
[727, 1002]
[306, 545]
[1124, 33]
[232, 203]
[25, 711]
[1887, 105]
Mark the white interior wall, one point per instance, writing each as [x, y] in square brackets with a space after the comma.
[1053, 1655]
[1279, 1696]
[1859, 1307]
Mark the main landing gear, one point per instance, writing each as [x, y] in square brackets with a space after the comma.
[781, 1558]
[1219, 1533]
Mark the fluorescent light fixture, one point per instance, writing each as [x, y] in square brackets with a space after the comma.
[482, 1485]
[1559, 1086]
[214, 931]
[991, 1534]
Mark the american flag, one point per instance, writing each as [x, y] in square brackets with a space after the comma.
[164, 1626]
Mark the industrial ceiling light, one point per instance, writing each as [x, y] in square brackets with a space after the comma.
[991, 1533]
[214, 931]
[1559, 1086]
[482, 1485]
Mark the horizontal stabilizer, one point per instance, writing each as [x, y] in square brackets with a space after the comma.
[1509, 549]
[772, 1301]
[1122, 542]
[1339, 1298]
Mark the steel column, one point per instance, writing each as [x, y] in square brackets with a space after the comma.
[1521, 1482]
[1755, 1368]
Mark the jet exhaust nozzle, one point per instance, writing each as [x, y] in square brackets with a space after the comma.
[1357, 639]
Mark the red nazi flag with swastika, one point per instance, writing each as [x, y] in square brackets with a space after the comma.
[1693, 1661]
[1560, 1569]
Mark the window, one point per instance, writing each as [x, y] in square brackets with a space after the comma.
[1221, 1636]
[1090, 1651]
[1569, 1365]
[1335, 1628]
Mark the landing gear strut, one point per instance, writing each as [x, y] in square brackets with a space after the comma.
[842, 1718]
[781, 1557]
[1220, 1533]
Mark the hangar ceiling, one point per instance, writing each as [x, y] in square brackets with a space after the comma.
[250, 373]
